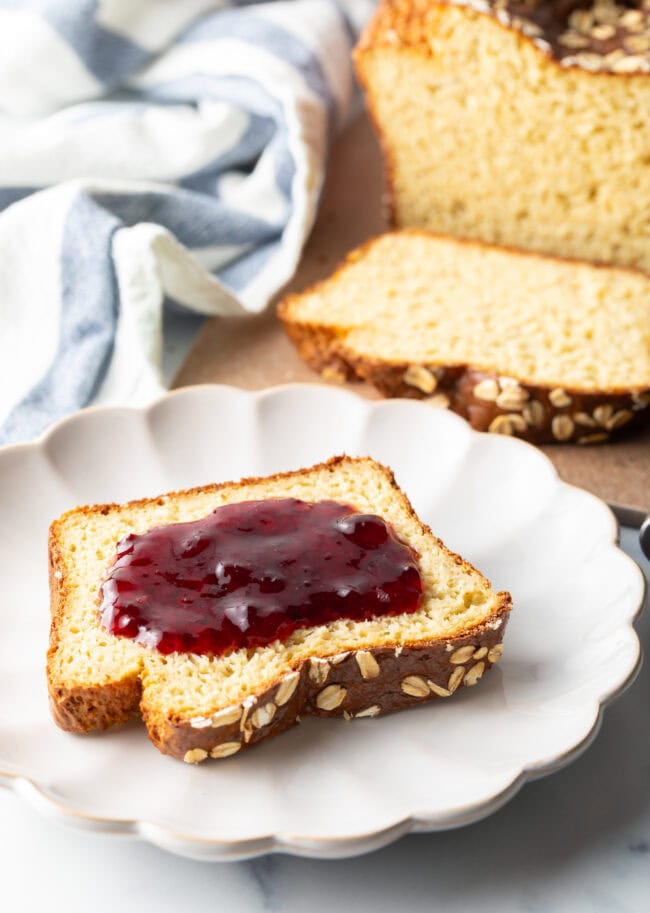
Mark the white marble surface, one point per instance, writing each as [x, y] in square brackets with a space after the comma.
[575, 842]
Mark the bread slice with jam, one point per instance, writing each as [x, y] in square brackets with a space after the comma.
[197, 705]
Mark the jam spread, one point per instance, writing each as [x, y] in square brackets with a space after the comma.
[253, 572]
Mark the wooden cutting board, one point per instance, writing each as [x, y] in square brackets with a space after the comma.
[253, 352]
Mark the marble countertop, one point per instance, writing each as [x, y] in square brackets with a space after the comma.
[575, 842]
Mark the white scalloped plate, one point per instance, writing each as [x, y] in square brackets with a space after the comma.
[326, 788]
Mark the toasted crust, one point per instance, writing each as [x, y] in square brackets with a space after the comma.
[553, 413]
[407, 25]
[416, 669]
[303, 689]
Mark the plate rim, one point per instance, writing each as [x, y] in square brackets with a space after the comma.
[323, 847]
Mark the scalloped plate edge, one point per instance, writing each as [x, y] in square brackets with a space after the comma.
[209, 849]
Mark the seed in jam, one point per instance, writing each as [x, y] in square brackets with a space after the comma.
[254, 572]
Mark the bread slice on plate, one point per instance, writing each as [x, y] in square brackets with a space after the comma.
[198, 706]
[517, 343]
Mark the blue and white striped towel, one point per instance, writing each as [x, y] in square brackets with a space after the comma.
[151, 150]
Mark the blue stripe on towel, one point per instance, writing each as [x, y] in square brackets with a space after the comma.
[270, 37]
[196, 220]
[9, 195]
[107, 55]
[249, 215]
[246, 94]
[89, 304]
[241, 156]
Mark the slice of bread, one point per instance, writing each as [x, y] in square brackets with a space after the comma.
[517, 343]
[198, 706]
[516, 123]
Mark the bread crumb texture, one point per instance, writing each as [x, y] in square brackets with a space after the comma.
[500, 125]
[411, 298]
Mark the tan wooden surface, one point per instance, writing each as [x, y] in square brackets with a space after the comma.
[254, 352]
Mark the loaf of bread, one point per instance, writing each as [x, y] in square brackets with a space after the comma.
[516, 122]
[517, 343]
[198, 706]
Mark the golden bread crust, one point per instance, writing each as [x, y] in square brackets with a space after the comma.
[550, 27]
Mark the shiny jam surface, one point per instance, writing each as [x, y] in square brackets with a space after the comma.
[253, 572]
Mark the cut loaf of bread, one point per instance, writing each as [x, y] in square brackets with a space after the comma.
[517, 343]
[195, 706]
[516, 123]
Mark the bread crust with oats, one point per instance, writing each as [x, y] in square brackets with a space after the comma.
[195, 707]
[546, 349]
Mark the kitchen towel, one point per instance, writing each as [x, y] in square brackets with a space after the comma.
[150, 152]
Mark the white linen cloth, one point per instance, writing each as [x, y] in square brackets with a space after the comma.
[151, 151]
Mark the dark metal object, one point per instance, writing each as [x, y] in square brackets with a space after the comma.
[637, 519]
[644, 537]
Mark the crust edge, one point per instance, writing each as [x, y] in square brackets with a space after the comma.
[538, 413]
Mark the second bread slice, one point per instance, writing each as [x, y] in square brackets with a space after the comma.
[542, 348]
